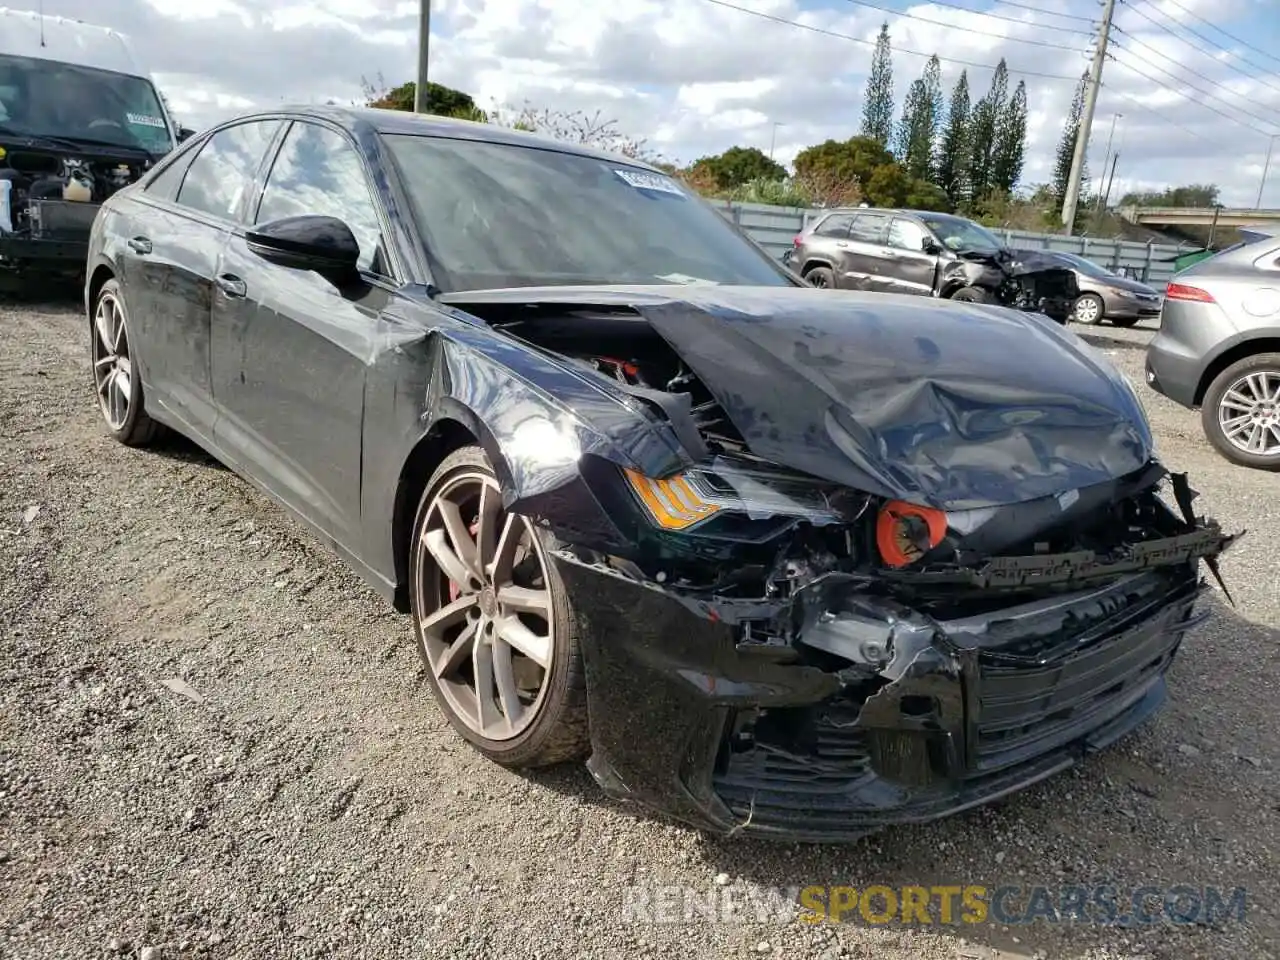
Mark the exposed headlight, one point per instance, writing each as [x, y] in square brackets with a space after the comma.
[688, 499]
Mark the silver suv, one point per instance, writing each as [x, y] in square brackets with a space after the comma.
[1218, 347]
[932, 255]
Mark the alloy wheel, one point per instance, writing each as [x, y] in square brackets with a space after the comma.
[817, 280]
[489, 637]
[1088, 310]
[1249, 413]
[112, 365]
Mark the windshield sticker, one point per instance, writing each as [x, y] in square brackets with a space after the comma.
[144, 120]
[650, 181]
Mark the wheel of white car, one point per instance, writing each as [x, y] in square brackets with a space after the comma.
[116, 378]
[1088, 310]
[494, 625]
[1241, 412]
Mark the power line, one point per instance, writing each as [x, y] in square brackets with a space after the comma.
[1052, 13]
[1201, 50]
[1167, 119]
[871, 43]
[953, 26]
[1195, 73]
[1204, 93]
[988, 16]
[1230, 36]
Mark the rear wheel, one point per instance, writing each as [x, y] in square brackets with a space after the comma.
[973, 295]
[494, 625]
[1241, 412]
[115, 375]
[1088, 310]
[822, 277]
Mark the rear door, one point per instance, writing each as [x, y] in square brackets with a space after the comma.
[867, 258]
[827, 243]
[909, 268]
[289, 348]
[172, 248]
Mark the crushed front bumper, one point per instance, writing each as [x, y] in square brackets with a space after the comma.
[695, 717]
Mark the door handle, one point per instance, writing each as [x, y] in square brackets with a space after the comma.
[231, 285]
[140, 245]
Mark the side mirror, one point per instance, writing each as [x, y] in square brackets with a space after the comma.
[185, 134]
[309, 242]
[931, 246]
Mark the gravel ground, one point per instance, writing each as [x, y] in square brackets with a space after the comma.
[303, 797]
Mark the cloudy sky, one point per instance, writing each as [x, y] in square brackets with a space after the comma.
[1195, 103]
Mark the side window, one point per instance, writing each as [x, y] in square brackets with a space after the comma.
[907, 235]
[225, 166]
[165, 184]
[319, 172]
[869, 228]
[835, 225]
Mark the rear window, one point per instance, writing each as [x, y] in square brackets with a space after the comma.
[501, 215]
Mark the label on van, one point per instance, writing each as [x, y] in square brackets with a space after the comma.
[144, 120]
[643, 180]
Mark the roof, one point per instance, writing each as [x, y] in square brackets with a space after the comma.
[25, 33]
[393, 122]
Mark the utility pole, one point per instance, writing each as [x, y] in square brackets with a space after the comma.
[1106, 195]
[1266, 167]
[424, 37]
[773, 137]
[1086, 121]
[1106, 157]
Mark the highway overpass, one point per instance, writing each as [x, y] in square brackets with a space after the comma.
[1198, 216]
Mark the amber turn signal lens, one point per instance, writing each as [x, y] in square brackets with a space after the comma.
[905, 532]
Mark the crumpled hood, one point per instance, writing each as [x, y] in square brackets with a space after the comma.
[949, 404]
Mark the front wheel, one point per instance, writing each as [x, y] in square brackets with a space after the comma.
[1088, 310]
[1241, 412]
[973, 295]
[494, 624]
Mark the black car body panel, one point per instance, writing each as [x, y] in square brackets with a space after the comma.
[768, 669]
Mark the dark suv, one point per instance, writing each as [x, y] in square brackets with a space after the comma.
[931, 255]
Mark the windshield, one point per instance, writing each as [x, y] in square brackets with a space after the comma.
[45, 98]
[958, 233]
[1087, 267]
[498, 215]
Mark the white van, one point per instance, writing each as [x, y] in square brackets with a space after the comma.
[79, 119]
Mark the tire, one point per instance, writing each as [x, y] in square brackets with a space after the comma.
[1093, 307]
[1125, 322]
[1264, 367]
[462, 502]
[821, 277]
[117, 382]
[972, 295]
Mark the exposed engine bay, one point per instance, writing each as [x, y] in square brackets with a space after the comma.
[48, 199]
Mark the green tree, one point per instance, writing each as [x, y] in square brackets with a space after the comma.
[952, 164]
[983, 134]
[441, 100]
[1067, 145]
[877, 107]
[918, 128]
[1011, 141]
[852, 160]
[740, 165]
[1189, 195]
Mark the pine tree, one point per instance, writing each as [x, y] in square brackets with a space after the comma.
[952, 164]
[877, 108]
[918, 128]
[983, 129]
[1067, 145]
[1011, 141]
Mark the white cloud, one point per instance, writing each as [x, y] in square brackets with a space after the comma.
[694, 78]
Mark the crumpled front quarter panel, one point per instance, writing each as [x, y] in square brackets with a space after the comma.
[950, 404]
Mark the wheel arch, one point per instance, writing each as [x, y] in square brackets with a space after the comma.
[813, 262]
[1233, 354]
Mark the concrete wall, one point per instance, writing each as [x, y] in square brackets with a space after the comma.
[773, 228]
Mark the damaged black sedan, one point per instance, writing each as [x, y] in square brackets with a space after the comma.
[794, 562]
